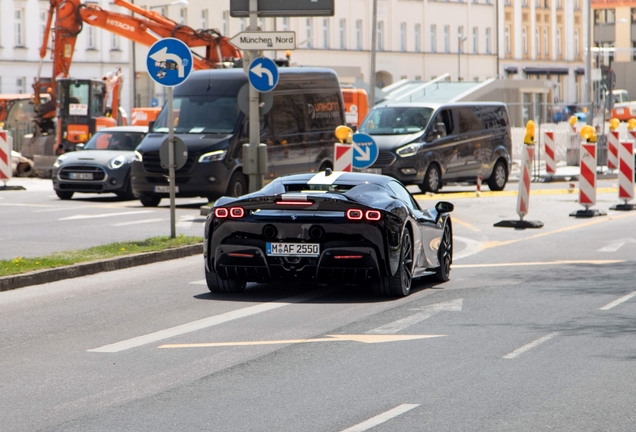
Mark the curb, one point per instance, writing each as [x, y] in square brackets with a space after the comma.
[88, 268]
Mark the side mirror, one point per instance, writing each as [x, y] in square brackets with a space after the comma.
[151, 126]
[440, 127]
[79, 146]
[444, 207]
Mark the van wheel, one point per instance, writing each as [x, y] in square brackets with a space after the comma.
[237, 185]
[432, 179]
[64, 195]
[499, 177]
[324, 166]
[149, 200]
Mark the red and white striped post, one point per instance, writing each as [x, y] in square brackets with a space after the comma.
[343, 157]
[5, 157]
[612, 150]
[625, 175]
[550, 153]
[587, 179]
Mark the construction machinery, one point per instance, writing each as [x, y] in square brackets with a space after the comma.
[79, 107]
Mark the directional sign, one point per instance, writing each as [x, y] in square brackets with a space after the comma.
[169, 62]
[365, 151]
[263, 74]
[258, 41]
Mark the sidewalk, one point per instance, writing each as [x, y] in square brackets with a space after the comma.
[564, 172]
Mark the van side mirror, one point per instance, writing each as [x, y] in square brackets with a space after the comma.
[440, 127]
[151, 126]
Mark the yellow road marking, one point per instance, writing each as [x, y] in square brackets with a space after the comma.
[465, 224]
[486, 194]
[330, 338]
[543, 263]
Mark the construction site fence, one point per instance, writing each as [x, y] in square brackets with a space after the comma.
[18, 130]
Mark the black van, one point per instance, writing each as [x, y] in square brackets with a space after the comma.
[429, 144]
[298, 130]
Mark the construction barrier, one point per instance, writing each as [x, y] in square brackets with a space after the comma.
[343, 157]
[625, 175]
[478, 185]
[587, 179]
[550, 153]
[612, 150]
[6, 170]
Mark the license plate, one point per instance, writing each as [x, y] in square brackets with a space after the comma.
[371, 170]
[81, 176]
[293, 249]
[165, 189]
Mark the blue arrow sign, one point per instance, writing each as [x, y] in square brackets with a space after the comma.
[169, 62]
[263, 74]
[365, 151]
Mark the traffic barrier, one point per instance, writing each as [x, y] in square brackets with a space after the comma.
[587, 179]
[344, 157]
[612, 150]
[5, 157]
[478, 185]
[523, 196]
[573, 122]
[625, 176]
[550, 153]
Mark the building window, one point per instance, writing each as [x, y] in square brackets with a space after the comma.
[433, 38]
[524, 40]
[546, 42]
[633, 15]
[558, 4]
[358, 35]
[403, 36]
[164, 11]
[418, 38]
[558, 42]
[380, 36]
[343, 34]
[309, 33]
[261, 24]
[43, 16]
[20, 84]
[241, 25]
[183, 16]
[204, 20]
[577, 49]
[19, 27]
[537, 42]
[285, 24]
[633, 50]
[507, 39]
[546, 4]
[325, 33]
[114, 42]
[487, 41]
[90, 38]
[446, 38]
[604, 16]
[475, 40]
[460, 39]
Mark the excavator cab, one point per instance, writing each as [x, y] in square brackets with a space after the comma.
[81, 112]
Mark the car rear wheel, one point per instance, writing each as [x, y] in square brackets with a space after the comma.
[237, 185]
[149, 200]
[399, 285]
[432, 179]
[65, 195]
[499, 177]
[445, 255]
[218, 285]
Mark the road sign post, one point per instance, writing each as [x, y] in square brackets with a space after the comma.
[169, 64]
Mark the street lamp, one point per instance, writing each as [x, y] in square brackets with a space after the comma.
[460, 40]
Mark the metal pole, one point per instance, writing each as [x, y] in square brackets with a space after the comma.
[588, 66]
[255, 178]
[171, 164]
[374, 42]
[459, 58]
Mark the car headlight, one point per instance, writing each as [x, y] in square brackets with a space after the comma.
[138, 156]
[117, 162]
[216, 155]
[59, 161]
[408, 150]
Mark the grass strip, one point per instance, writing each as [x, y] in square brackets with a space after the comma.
[57, 259]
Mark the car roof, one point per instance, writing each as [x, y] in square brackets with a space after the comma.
[143, 129]
[435, 105]
[337, 177]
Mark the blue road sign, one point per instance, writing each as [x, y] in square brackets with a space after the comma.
[169, 62]
[263, 74]
[365, 151]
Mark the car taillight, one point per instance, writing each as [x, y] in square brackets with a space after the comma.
[354, 214]
[221, 212]
[372, 215]
[295, 203]
[237, 212]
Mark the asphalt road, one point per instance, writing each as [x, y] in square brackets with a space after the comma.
[535, 331]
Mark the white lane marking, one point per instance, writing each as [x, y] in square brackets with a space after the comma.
[144, 221]
[199, 282]
[472, 247]
[618, 301]
[60, 209]
[382, 418]
[323, 179]
[424, 313]
[613, 247]
[103, 215]
[529, 346]
[542, 263]
[207, 322]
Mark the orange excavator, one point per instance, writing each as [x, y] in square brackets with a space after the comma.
[82, 104]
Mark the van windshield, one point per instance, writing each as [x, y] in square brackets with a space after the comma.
[396, 120]
[200, 114]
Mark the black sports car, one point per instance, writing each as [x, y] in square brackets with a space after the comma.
[340, 227]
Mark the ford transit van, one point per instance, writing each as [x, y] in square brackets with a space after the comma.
[429, 144]
[298, 130]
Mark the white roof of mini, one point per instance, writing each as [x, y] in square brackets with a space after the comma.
[125, 129]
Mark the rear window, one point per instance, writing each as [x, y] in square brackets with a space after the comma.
[304, 187]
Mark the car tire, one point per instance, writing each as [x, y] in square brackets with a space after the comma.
[149, 200]
[237, 185]
[218, 285]
[445, 254]
[499, 177]
[432, 179]
[64, 195]
[127, 192]
[399, 285]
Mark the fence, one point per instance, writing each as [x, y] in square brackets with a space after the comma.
[18, 129]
